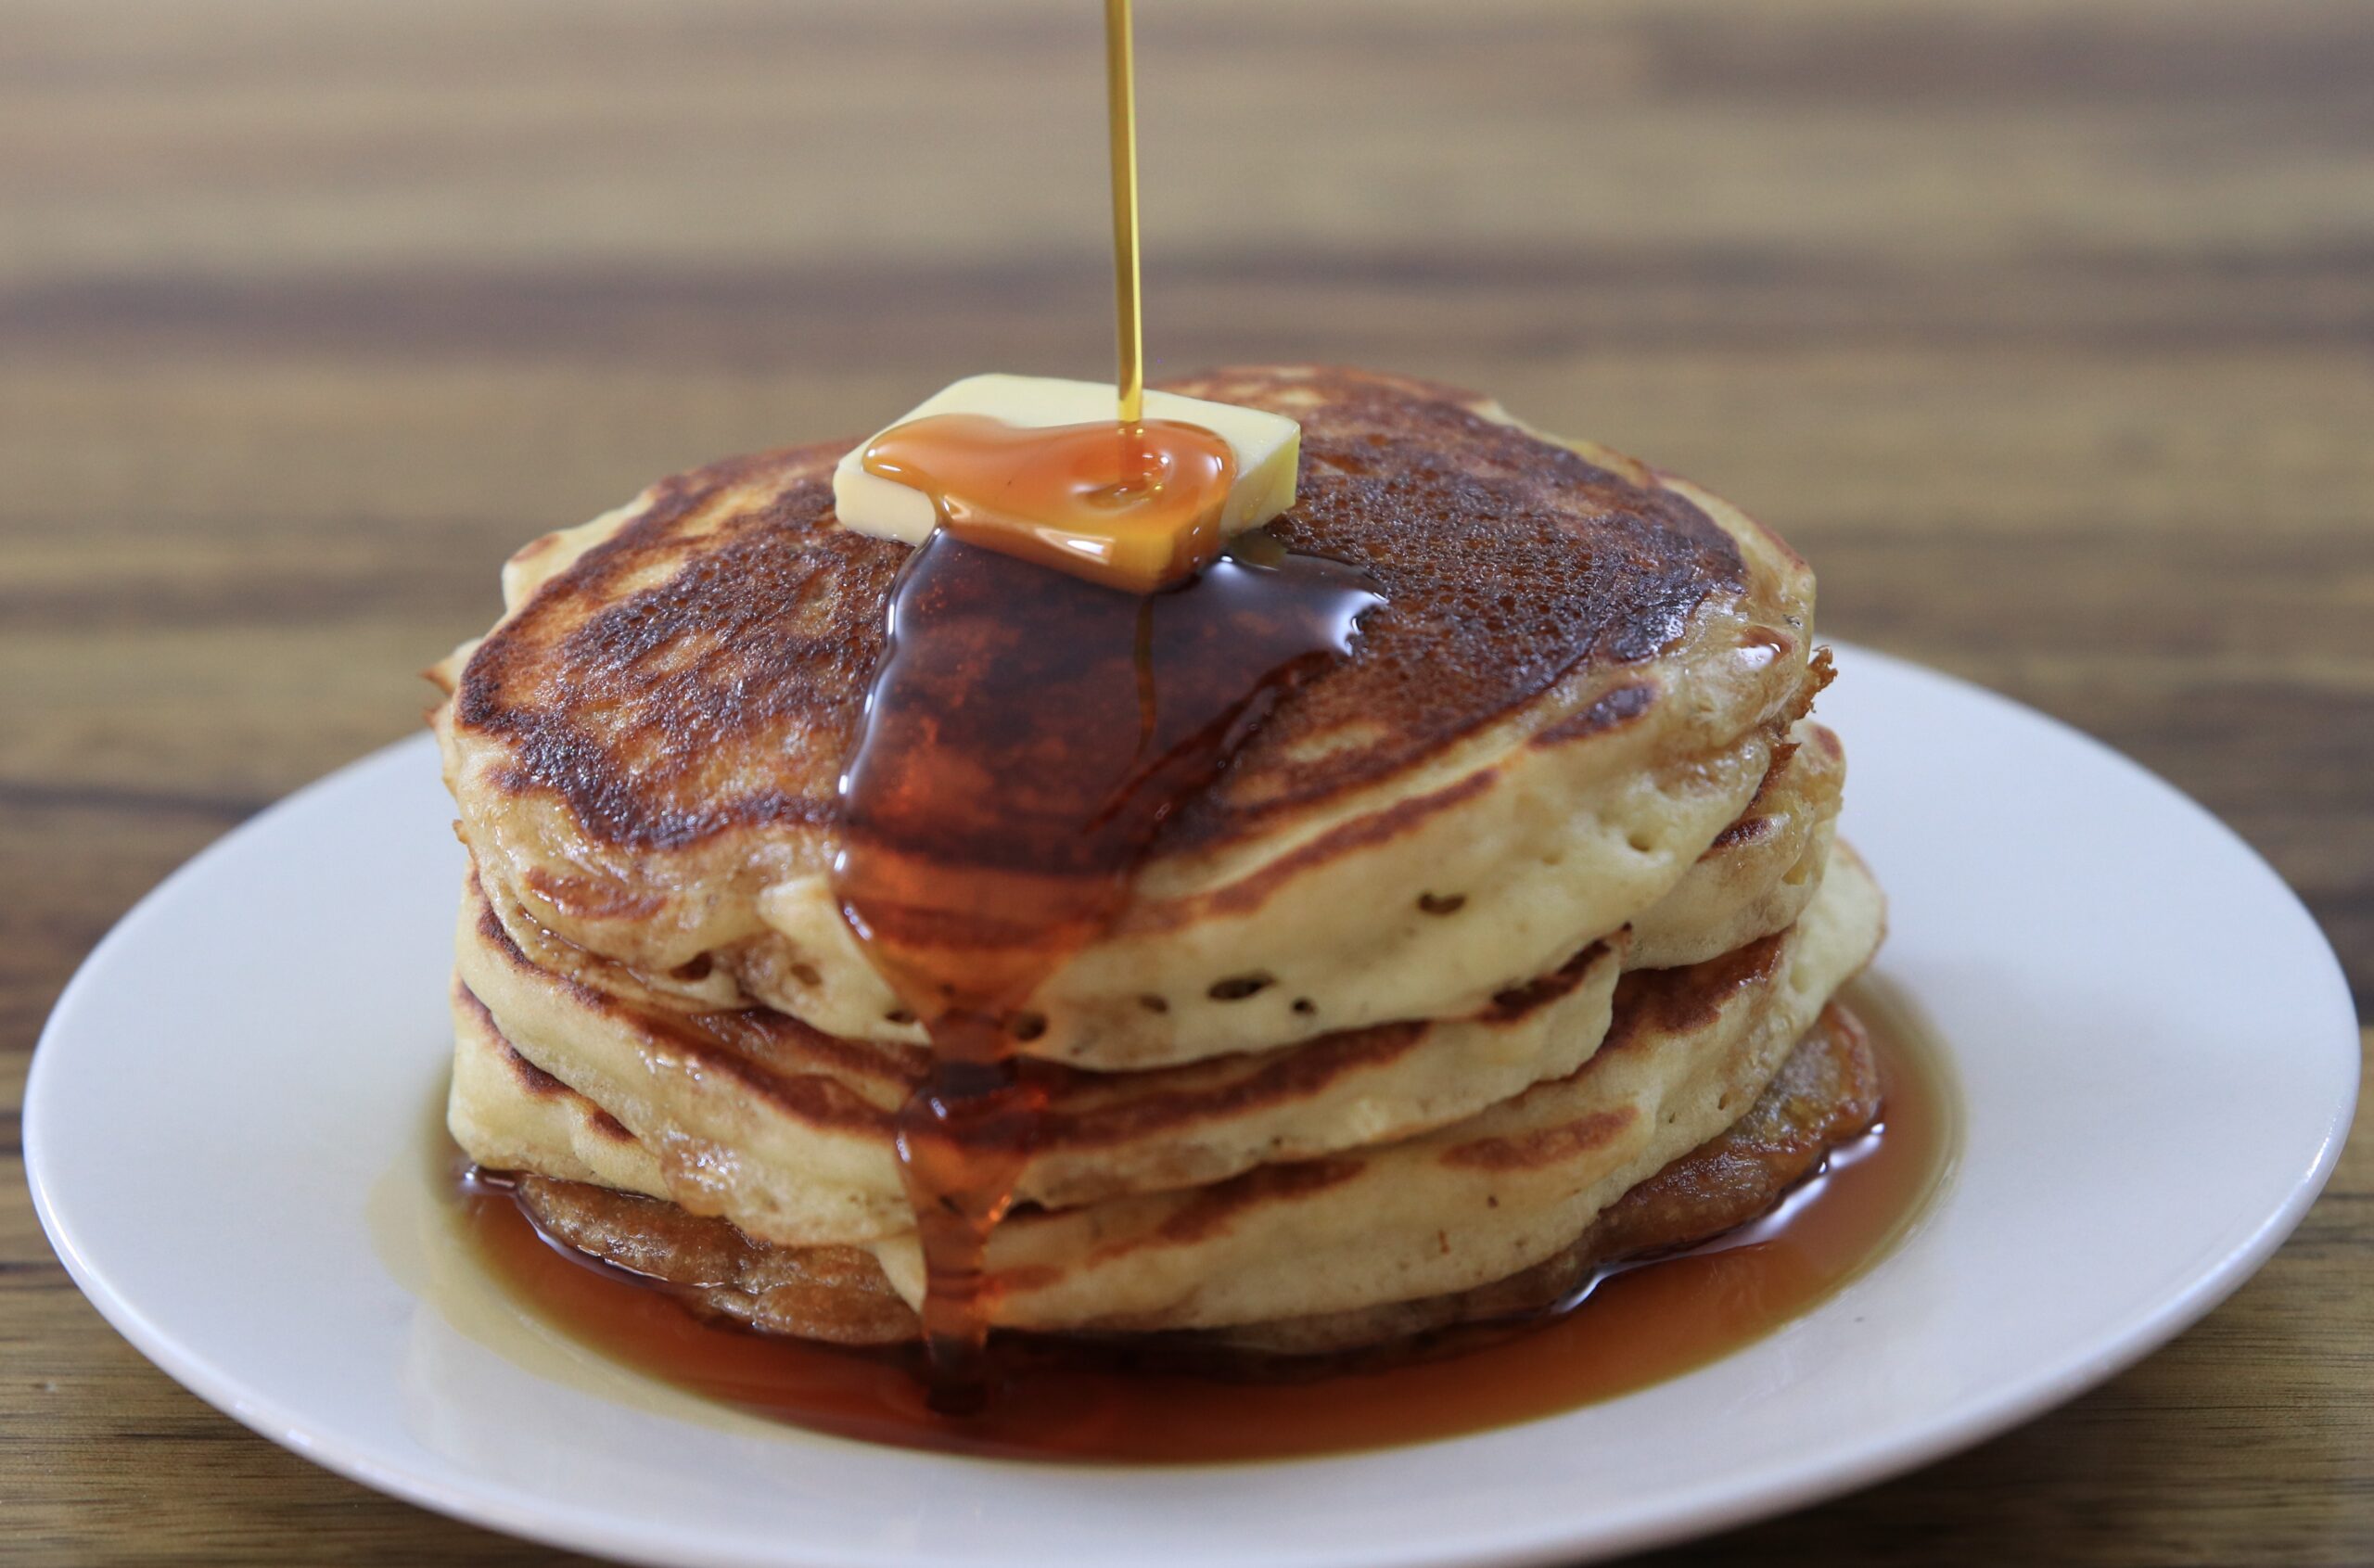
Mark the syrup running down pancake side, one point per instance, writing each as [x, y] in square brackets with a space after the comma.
[1027, 734]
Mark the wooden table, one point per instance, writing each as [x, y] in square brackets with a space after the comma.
[2046, 329]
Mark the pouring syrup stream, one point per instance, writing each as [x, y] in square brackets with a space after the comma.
[1121, 135]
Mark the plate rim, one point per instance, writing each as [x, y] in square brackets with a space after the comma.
[1704, 1508]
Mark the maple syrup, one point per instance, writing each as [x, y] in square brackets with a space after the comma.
[1025, 736]
[1635, 1327]
[1121, 149]
[1134, 505]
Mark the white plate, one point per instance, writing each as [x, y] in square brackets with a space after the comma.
[2156, 1052]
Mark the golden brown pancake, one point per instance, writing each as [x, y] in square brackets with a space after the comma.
[1579, 678]
[810, 1118]
[1826, 1093]
[1441, 1212]
[1411, 1019]
[1761, 871]
[801, 1108]
[1575, 686]
[641, 687]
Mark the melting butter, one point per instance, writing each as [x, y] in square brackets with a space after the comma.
[1266, 447]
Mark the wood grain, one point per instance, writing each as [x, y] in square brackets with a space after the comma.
[2045, 327]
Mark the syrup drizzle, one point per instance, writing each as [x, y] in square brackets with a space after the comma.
[1026, 735]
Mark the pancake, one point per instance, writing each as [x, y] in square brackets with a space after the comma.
[799, 1109]
[1443, 1212]
[801, 1124]
[1761, 871]
[1688, 1050]
[1826, 1093]
[508, 1113]
[1580, 679]
[1756, 877]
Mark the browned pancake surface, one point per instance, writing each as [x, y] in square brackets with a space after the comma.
[1826, 1093]
[704, 669]
[828, 1081]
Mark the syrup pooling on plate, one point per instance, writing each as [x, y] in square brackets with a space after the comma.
[1027, 734]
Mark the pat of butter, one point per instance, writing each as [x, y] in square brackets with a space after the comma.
[1267, 447]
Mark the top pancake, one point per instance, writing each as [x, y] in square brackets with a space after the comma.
[1575, 686]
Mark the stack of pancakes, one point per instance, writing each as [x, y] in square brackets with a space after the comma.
[1502, 950]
